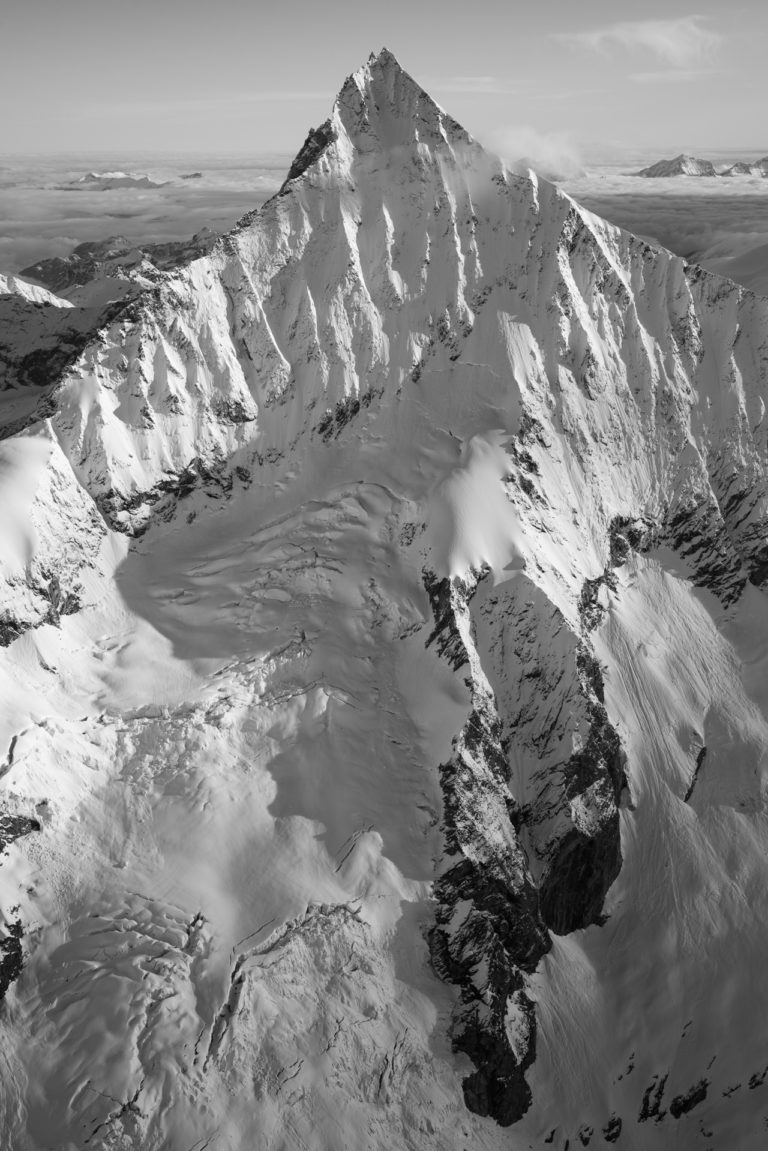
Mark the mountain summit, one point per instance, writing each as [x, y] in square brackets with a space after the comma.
[379, 108]
[682, 165]
[381, 646]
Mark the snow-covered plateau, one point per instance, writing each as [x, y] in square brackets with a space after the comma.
[383, 677]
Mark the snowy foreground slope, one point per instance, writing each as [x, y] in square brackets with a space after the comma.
[383, 676]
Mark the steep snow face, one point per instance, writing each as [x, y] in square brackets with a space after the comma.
[385, 584]
[43, 508]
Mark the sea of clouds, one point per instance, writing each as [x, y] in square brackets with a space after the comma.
[40, 216]
[709, 220]
[715, 221]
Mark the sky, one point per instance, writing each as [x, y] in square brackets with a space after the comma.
[247, 76]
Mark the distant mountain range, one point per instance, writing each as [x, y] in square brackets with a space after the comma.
[98, 271]
[684, 165]
[108, 182]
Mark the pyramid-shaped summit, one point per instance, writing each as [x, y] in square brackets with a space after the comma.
[380, 107]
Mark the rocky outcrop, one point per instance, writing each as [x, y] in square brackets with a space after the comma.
[13, 826]
[488, 932]
[120, 260]
[516, 868]
[612, 1129]
[682, 1104]
[60, 601]
[313, 147]
[549, 688]
[11, 955]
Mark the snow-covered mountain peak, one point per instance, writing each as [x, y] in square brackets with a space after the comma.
[682, 165]
[382, 105]
[382, 655]
[379, 109]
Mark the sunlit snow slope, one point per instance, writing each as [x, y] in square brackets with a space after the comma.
[383, 678]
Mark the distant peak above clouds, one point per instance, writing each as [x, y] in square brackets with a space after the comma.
[109, 182]
[682, 165]
[686, 165]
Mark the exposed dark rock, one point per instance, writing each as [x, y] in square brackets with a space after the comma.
[498, 1087]
[47, 365]
[163, 497]
[488, 932]
[11, 956]
[612, 1129]
[449, 643]
[233, 412]
[585, 865]
[591, 611]
[11, 629]
[9, 758]
[13, 827]
[626, 535]
[504, 933]
[694, 778]
[652, 1097]
[758, 1079]
[574, 889]
[335, 419]
[499, 914]
[698, 530]
[60, 602]
[59, 344]
[585, 1134]
[313, 147]
[117, 256]
[681, 1104]
[698, 534]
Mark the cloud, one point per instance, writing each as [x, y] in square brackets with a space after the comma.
[40, 220]
[17, 252]
[690, 220]
[681, 42]
[470, 85]
[552, 154]
[673, 75]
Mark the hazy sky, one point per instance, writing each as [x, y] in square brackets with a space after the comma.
[253, 76]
